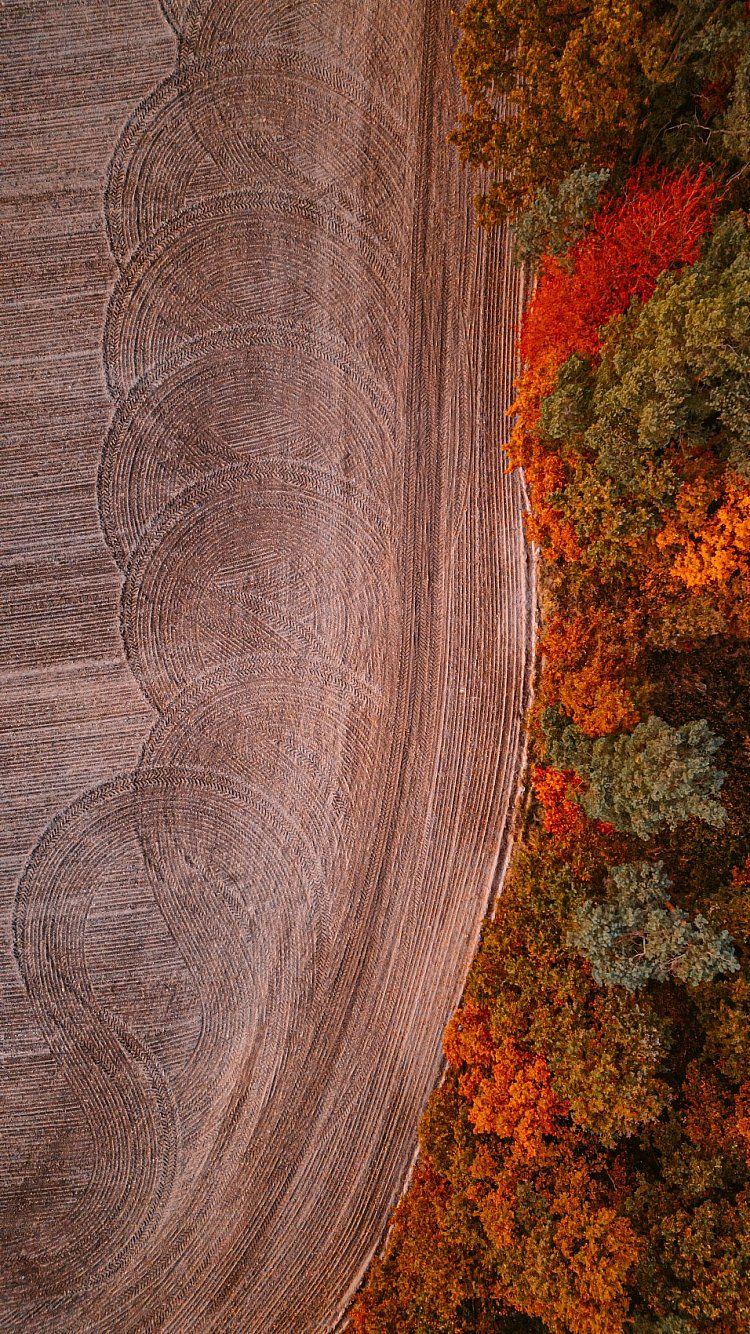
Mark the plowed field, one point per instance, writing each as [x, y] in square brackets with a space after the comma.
[264, 646]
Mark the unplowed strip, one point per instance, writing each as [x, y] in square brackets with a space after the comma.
[266, 650]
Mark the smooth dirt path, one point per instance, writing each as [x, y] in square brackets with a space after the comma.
[265, 653]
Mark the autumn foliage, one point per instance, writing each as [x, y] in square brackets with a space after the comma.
[707, 540]
[516, 1102]
[656, 225]
[585, 1163]
[589, 662]
[555, 791]
[552, 88]
[627, 517]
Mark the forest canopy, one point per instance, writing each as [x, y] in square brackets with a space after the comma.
[554, 88]
[585, 1164]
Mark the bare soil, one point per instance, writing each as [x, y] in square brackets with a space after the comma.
[264, 647]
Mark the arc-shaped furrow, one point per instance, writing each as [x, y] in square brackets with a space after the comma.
[151, 171]
[325, 600]
[242, 881]
[281, 118]
[378, 42]
[130, 1113]
[174, 12]
[241, 396]
[275, 844]
[296, 725]
[244, 258]
[253, 559]
[324, 136]
[242, 886]
[264, 1164]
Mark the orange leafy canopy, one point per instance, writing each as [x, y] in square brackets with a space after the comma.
[518, 1102]
[555, 791]
[709, 535]
[588, 661]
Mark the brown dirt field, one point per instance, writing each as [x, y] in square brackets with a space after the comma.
[264, 647]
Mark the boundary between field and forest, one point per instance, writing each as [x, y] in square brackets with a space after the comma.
[584, 1164]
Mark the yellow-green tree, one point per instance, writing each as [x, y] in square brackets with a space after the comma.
[557, 85]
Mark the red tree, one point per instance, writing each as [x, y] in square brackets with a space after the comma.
[656, 225]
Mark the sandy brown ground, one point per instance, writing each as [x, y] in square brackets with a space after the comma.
[264, 645]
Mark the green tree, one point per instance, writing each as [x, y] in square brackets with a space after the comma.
[640, 781]
[565, 745]
[637, 936]
[557, 218]
[567, 412]
[676, 371]
[656, 775]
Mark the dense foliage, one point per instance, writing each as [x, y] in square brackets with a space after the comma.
[585, 1164]
[556, 85]
[635, 448]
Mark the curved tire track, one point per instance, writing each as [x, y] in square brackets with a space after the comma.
[326, 600]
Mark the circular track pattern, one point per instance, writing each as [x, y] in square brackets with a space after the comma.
[253, 560]
[287, 118]
[239, 958]
[241, 396]
[249, 258]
